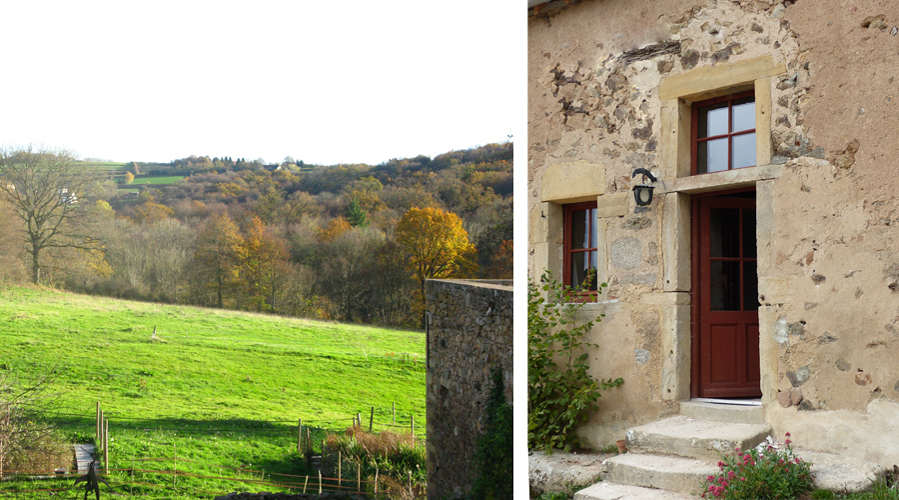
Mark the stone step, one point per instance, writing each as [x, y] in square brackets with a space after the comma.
[688, 437]
[614, 491]
[726, 413]
[664, 472]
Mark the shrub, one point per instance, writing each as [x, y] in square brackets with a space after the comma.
[493, 458]
[760, 473]
[394, 456]
[560, 391]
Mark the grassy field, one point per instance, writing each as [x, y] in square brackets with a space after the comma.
[169, 179]
[216, 389]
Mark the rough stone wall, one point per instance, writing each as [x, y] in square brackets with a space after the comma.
[469, 336]
[829, 264]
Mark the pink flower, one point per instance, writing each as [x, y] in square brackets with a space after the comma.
[730, 474]
[788, 441]
[788, 434]
[737, 449]
[742, 479]
[711, 479]
[796, 460]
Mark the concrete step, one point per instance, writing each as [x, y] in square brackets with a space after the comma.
[839, 473]
[614, 491]
[726, 413]
[665, 472]
[688, 437]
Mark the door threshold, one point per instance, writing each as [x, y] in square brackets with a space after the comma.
[737, 402]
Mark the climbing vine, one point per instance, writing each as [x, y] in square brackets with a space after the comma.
[560, 389]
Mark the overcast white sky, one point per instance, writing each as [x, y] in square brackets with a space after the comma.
[324, 81]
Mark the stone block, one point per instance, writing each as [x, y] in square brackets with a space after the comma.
[777, 289]
[613, 205]
[676, 247]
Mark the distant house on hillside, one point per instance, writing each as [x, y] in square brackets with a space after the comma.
[65, 197]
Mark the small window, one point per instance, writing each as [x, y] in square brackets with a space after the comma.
[580, 244]
[724, 133]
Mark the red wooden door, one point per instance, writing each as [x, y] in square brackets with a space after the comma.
[727, 296]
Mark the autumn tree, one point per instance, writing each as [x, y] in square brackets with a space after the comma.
[436, 243]
[265, 259]
[220, 253]
[43, 185]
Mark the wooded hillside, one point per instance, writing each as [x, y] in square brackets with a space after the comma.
[293, 238]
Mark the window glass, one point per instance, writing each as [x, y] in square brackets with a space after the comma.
[743, 151]
[712, 156]
[724, 232]
[743, 114]
[713, 120]
[580, 243]
[580, 237]
[725, 285]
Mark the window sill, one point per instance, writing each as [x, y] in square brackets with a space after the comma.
[742, 177]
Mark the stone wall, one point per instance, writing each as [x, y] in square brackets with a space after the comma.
[469, 336]
[610, 86]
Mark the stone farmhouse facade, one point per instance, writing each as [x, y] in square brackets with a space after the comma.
[766, 267]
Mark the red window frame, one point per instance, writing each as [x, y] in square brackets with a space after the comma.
[590, 250]
[696, 140]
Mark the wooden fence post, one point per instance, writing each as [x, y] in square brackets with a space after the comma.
[412, 419]
[376, 482]
[371, 420]
[358, 478]
[106, 445]
[299, 434]
[394, 413]
[319, 482]
[339, 468]
[97, 434]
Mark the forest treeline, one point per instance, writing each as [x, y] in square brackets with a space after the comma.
[349, 242]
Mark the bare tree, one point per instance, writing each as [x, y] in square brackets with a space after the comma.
[43, 185]
[28, 441]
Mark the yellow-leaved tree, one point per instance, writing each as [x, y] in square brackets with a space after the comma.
[436, 244]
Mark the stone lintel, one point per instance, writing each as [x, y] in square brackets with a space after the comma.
[696, 84]
[573, 182]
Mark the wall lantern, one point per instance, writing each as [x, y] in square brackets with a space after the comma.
[643, 191]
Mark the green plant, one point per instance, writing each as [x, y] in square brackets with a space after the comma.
[760, 473]
[560, 389]
[493, 457]
[555, 495]
[880, 490]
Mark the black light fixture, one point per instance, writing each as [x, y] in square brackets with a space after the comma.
[643, 191]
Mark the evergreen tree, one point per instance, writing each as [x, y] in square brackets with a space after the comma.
[355, 215]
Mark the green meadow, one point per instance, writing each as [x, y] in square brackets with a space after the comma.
[218, 390]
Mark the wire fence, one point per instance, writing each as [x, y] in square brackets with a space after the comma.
[155, 481]
[307, 464]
